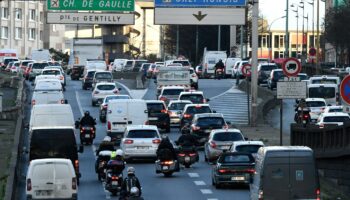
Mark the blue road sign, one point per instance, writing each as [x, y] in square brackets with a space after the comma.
[345, 89]
[199, 3]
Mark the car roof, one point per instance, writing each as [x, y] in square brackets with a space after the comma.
[173, 87]
[237, 143]
[155, 101]
[315, 99]
[194, 105]
[179, 101]
[192, 92]
[214, 131]
[334, 107]
[51, 68]
[202, 115]
[105, 83]
[56, 160]
[335, 114]
[142, 127]
[323, 85]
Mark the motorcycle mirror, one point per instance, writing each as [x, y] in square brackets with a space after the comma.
[76, 124]
[26, 125]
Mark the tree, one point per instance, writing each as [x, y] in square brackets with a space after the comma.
[59, 55]
[337, 30]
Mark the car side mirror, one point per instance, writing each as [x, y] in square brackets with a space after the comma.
[228, 123]
[120, 89]
[207, 100]
[246, 138]
[76, 124]
[66, 101]
[214, 111]
[146, 111]
[81, 148]
[26, 125]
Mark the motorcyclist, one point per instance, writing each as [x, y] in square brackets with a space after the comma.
[187, 140]
[129, 182]
[300, 110]
[105, 145]
[166, 150]
[116, 164]
[135, 194]
[219, 65]
[87, 120]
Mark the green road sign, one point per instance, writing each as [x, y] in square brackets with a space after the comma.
[92, 5]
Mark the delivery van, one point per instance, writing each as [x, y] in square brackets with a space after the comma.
[51, 179]
[285, 172]
[123, 112]
[48, 97]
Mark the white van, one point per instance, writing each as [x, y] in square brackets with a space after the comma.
[329, 92]
[97, 65]
[229, 64]
[51, 179]
[210, 58]
[48, 97]
[41, 55]
[118, 64]
[123, 112]
[324, 79]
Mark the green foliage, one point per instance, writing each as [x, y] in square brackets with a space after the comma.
[59, 55]
[152, 58]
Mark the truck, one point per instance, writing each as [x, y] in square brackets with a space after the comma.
[7, 55]
[173, 76]
[210, 58]
[41, 55]
[86, 49]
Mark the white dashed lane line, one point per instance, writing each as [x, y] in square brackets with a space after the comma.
[206, 191]
[193, 175]
[199, 183]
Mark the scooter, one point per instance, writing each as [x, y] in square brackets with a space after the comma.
[188, 156]
[113, 182]
[219, 74]
[87, 134]
[167, 167]
[103, 158]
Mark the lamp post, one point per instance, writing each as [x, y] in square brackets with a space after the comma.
[270, 41]
[286, 40]
[302, 46]
[297, 12]
[313, 22]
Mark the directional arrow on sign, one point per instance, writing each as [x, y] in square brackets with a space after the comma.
[199, 16]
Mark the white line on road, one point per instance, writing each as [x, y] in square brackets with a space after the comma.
[193, 175]
[206, 191]
[79, 105]
[199, 183]
[212, 199]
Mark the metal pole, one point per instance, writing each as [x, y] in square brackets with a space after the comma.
[287, 31]
[318, 37]
[219, 37]
[281, 123]
[196, 43]
[144, 34]
[177, 40]
[248, 106]
[254, 80]
[241, 42]
[297, 34]
[313, 23]
[302, 46]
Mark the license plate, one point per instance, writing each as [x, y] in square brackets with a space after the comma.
[43, 192]
[114, 182]
[153, 118]
[207, 131]
[87, 136]
[225, 147]
[187, 159]
[238, 178]
[142, 147]
[165, 167]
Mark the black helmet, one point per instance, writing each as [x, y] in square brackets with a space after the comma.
[87, 113]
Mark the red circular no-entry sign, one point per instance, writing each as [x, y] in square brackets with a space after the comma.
[291, 67]
[246, 70]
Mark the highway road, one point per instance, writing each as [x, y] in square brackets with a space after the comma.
[193, 183]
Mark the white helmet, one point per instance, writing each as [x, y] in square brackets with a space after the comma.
[134, 192]
[119, 152]
[107, 139]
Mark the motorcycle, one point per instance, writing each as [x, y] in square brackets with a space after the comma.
[188, 156]
[219, 74]
[87, 133]
[113, 182]
[302, 116]
[103, 158]
[167, 167]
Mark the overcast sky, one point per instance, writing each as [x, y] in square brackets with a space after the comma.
[273, 9]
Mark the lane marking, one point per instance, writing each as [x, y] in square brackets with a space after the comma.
[78, 101]
[199, 183]
[193, 175]
[206, 191]
[212, 199]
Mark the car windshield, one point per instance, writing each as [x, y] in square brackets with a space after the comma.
[145, 66]
[302, 76]
[51, 72]
[39, 65]
[278, 75]
[25, 63]
[138, 63]
[16, 64]
[268, 67]
[104, 75]
[249, 148]
[117, 97]
[228, 136]
[7, 61]
[194, 98]
[335, 110]
[155, 107]
[198, 109]
[177, 106]
[311, 104]
[336, 119]
[324, 81]
[142, 134]
[128, 64]
[91, 74]
[235, 159]
[322, 92]
[183, 62]
[106, 87]
[172, 91]
[210, 121]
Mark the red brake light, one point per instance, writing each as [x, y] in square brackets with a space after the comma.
[156, 141]
[187, 116]
[318, 194]
[62, 101]
[306, 116]
[195, 128]
[223, 170]
[128, 141]
[61, 77]
[213, 144]
[33, 102]
[115, 91]
[163, 98]
[181, 154]
[164, 111]
[167, 162]
[74, 183]
[29, 184]
[198, 106]
[109, 125]
[252, 171]
[114, 178]
[192, 154]
[76, 164]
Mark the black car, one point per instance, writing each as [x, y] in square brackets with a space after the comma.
[264, 71]
[190, 110]
[87, 80]
[277, 75]
[158, 115]
[77, 72]
[203, 124]
[233, 168]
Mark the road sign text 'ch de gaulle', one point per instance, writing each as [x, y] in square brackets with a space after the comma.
[92, 5]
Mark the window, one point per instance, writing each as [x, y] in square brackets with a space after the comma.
[41, 16]
[18, 33]
[32, 14]
[18, 13]
[41, 35]
[54, 28]
[281, 44]
[264, 41]
[4, 13]
[4, 32]
[32, 35]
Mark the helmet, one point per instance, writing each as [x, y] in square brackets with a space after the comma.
[165, 137]
[220, 60]
[107, 139]
[119, 152]
[134, 191]
[131, 170]
[113, 155]
[87, 113]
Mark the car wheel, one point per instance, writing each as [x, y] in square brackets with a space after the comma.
[217, 185]
[212, 181]
[168, 174]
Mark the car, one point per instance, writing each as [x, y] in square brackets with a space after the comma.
[36, 69]
[150, 70]
[158, 114]
[237, 69]
[51, 178]
[15, 67]
[27, 70]
[316, 106]
[277, 75]
[48, 85]
[140, 141]
[8, 66]
[175, 108]
[203, 124]
[61, 69]
[251, 147]
[331, 109]
[51, 73]
[48, 97]
[184, 63]
[87, 79]
[102, 90]
[196, 97]
[264, 71]
[7, 60]
[190, 110]
[169, 93]
[229, 65]
[337, 118]
[233, 168]
[144, 67]
[194, 79]
[104, 104]
[102, 76]
[220, 140]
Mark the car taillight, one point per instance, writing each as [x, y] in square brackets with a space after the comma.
[128, 141]
[62, 101]
[76, 164]
[225, 126]
[318, 194]
[109, 125]
[115, 178]
[192, 154]
[251, 171]
[322, 125]
[187, 116]
[115, 91]
[195, 128]
[194, 75]
[163, 98]
[74, 183]
[92, 130]
[29, 184]
[212, 144]
[170, 162]
[164, 111]
[156, 141]
[223, 171]
[305, 116]
[61, 77]
[33, 102]
[181, 154]
[82, 129]
[261, 195]
[147, 122]
[104, 106]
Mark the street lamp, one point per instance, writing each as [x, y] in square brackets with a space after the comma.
[270, 43]
[313, 22]
[302, 6]
[297, 12]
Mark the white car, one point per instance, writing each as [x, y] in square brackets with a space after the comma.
[140, 141]
[48, 85]
[337, 118]
[331, 109]
[48, 97]
[52, 73]
[237, 68]
[52, 178]
[169, 93]
[15, 67]
[196, 97]
[102, 90]
[316, 106]
[247, 146]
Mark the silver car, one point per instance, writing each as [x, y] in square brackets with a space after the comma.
[220, 140]
[140, 141]
[175, 109]
[102, 90]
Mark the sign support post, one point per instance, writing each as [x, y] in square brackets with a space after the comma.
[281, 123]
